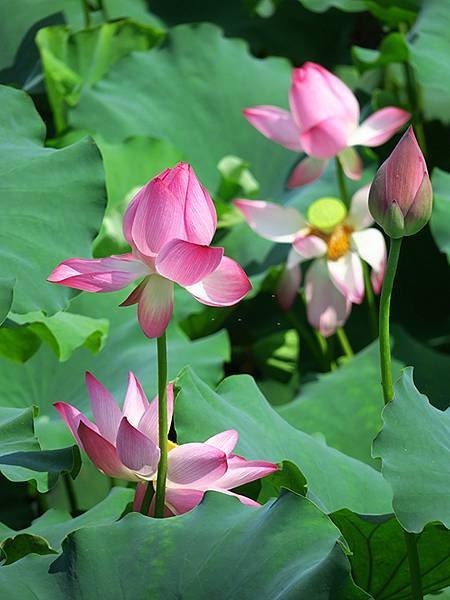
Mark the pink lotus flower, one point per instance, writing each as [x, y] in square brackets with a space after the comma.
[169, 225]
[337, 240]
[323, 122]
[124, 444]
[401, 197]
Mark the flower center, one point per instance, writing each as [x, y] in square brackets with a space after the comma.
[339, 242]
[326, 213]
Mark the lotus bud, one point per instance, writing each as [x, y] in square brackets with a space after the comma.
[400, 197]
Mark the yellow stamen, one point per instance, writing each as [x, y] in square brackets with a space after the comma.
[171, 445]
[339, 242]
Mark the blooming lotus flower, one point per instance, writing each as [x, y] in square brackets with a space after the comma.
[323, 123]
[337, 240]
[124, 444]
[169, 225]
[401, 197]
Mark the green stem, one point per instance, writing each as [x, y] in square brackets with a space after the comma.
[86, 13]
[70, 492]
[162, 425]
[341, 182]
[103, 9]
[370, 297]
[388, 394]
[414, 565]
[146, 500]
[385, 303]
[344, 342]
[305, 335]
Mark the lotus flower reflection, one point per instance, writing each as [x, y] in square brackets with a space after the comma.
[169, 225]
[324, 122]
[124, 444]
[337, 240]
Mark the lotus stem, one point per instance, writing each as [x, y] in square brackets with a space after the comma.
[162, 425]
[344, 342]
[341, 183]
[370, 297]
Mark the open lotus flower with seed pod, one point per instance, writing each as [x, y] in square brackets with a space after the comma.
[123, 443]
[337, 240]
[324, 122]
[169, 225]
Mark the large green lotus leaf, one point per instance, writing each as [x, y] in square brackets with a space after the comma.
[63, 331]
[128, 165]
[287, 548]
[334, 480]
[45, 534]
[414, 447]
[199, 84]
[378, 555]
[21, 458]
[429, 51]
[52, 202]
[440, 218]
[43, 380]
[323, 5]
[72, 60]
[6, 296]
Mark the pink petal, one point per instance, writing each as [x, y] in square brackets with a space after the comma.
[73, 417]
[327, 308]
[149, 421]
[309, 246]
[226, 286]
[276, 124]
[243, 499]
[107, 414]
[98, 274]
[155, 306]
[187, 263]
[136, 451]
[347, 275]
[351, 163]
[136, 402]
[154, 217]
[288, 286]
[242, 471]
[198, 465]
[271, 221]
[359, 216]
[225, 441]
[182, 500]
[103, 454]
[371, 247]
[326, 139]
[135, 295]
[309, 169]
[316, 95]
[379, 127]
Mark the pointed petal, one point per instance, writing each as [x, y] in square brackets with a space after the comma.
[242, 499]
[182, 500]
[326, 139]
[136, 451]
[187, 263]
[271, 221]
[327, 308]
[225, 441]
[73, 417]
[276, 124]
[103, 454]
[309, 246]
[371, 247]
[242, 471]
[98, 274]
[309, 169]
[155, 306]
[347, 275]
[288, 286]
[149, 421]
[359, 216]
[198, 465]
[379, 127]
[136, 402]
[135, 295]
[107, 414]
[225, 286]
[351, 163]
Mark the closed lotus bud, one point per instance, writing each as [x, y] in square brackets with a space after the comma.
[400, 198]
